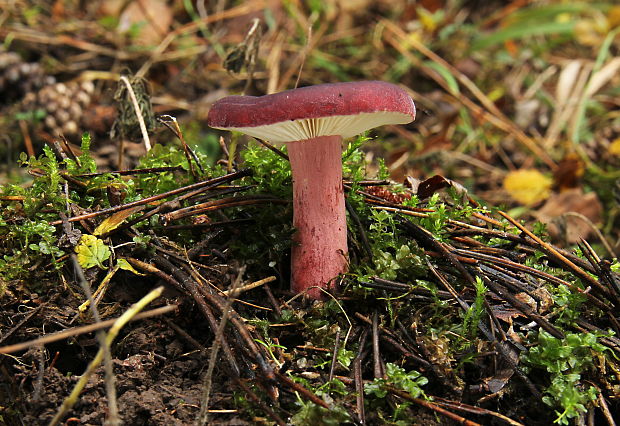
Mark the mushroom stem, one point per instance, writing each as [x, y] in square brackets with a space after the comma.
[319, 252]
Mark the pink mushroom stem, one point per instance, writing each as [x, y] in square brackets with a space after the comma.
[313, 121]
[319, 251]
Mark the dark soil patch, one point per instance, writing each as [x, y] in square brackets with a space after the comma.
[157, 377]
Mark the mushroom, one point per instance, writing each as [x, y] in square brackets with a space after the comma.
[313, 121]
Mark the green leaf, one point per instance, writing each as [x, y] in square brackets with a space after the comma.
[91, 251]
[345, 357]
[409, 381]
[518, 30]
[315, 415]
[87, 162]
[126, 266]
[566, 360]
[376, 388]
[453, 85]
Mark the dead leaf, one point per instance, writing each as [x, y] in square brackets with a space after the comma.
[438, 350]
[115, 220]
[527, 112]
[431, 185]
[428, 187]
[571, 228]
[499, 380]
[527, 186]
[614, 147]
[601, 77]
[153, 17]
[506, 313]
[526, 299]
[569, 172]
[566, 83]
[545, 299]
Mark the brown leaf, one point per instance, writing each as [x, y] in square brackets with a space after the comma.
[431, 185]
[428, 187]
[569, 172]
[526, 299]
[545, 299]
[506, 313]
[571, 229]
[154, 18]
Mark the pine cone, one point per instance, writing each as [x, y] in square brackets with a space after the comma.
[18, 77]
[63, 105]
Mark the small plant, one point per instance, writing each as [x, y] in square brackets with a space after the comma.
[397, 377]
[311, 414]
[475, 311]
[167, 156]
[409, 381]
[271, 172]
[392, 254]
[85, 162]
[353, 164]
[570, 303]
[25, 232]
[435, 220]
[566, 360]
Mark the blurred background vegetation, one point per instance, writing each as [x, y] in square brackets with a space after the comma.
[518, 100]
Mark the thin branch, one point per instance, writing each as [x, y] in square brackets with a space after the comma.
[203, 417]
[77, 331]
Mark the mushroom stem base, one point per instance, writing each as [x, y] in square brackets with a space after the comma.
[319, 252]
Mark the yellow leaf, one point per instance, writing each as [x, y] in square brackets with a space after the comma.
[613, 17]
[91, 251]
[123, 264]
[614, 148]
[528, 186]
[115, 220]
[427, 19]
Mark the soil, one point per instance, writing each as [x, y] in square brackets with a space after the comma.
[158, 370]
[157, 376]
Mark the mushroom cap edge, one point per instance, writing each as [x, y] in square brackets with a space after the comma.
[344, 109]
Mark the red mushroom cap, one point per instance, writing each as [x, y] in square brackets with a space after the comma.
[344, 109]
